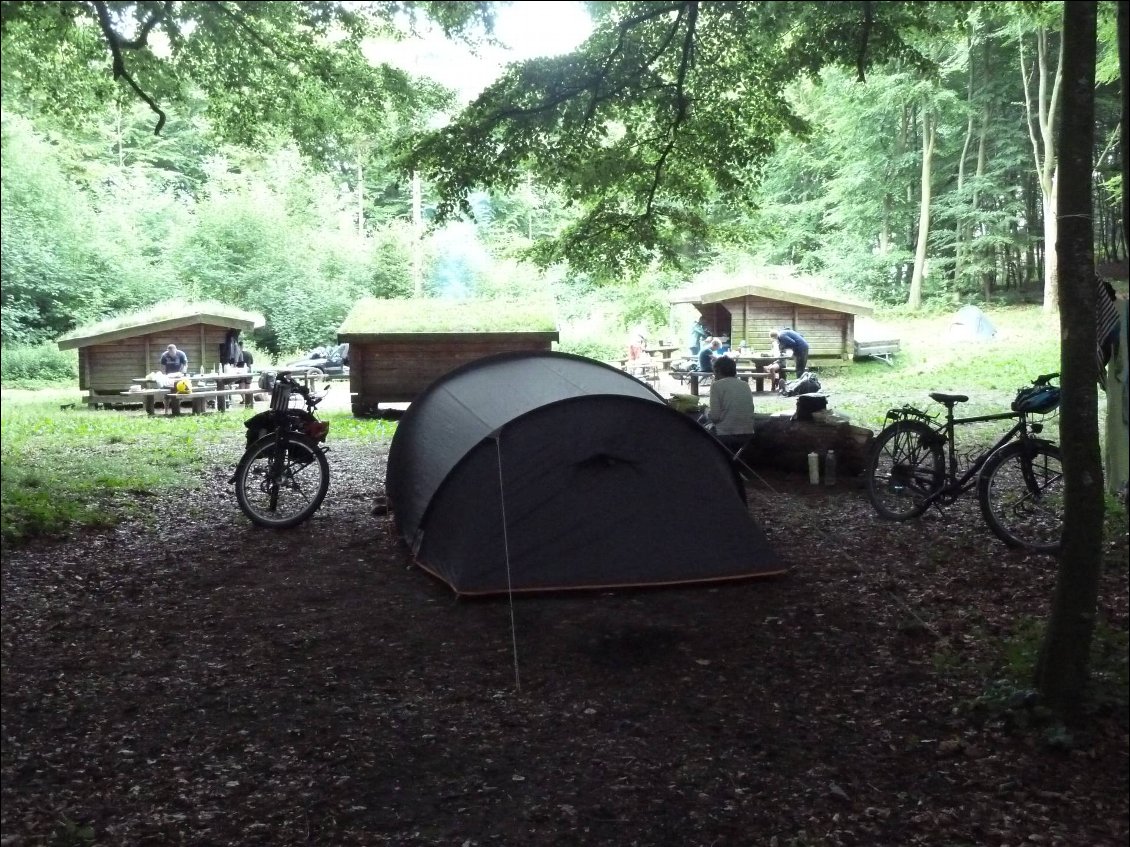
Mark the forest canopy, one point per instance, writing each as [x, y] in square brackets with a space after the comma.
[264, 155]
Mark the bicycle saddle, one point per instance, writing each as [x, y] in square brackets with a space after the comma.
[948, 399]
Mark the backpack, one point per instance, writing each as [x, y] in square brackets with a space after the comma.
[807, 384]
[806, 404]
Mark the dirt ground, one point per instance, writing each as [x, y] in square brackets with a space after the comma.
[189, 679]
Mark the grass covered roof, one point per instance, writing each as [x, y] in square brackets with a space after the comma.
[433, 315]
[168, 312]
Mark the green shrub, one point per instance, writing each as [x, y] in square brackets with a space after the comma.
[601, 350]
[36, 364]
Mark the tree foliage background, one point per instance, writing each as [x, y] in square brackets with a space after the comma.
[681, 137]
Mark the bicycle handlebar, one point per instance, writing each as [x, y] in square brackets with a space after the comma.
[311, 399]
[294, 384]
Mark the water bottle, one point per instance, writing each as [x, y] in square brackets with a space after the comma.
[814, 468]
[830, 468]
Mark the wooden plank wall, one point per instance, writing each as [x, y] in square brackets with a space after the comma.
[828, 333]
[111, 367]
[398, 371]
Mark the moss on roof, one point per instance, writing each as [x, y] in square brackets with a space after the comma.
[168, 310]
[433, 315]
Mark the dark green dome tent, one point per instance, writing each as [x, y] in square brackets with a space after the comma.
[548, 471]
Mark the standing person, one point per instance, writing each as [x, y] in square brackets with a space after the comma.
[174, 361]
[245, 360]
[731, 404]
[788, 341]
[698, 335]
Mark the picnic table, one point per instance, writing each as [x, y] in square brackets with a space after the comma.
[662, 354]
[217, 387]
[751, 368]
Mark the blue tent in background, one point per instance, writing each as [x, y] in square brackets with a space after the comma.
[970, 324]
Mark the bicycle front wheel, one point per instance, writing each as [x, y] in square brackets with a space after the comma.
[281, 484]
[904, 468]
[1021, 494]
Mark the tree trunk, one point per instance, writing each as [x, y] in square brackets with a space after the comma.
[1062, 667]
[928, 135]
[360, 198]
[1041, 132]
[982, 162]
[417, 235]
[1124, 71]
[962, 228]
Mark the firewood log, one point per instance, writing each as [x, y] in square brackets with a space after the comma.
[781, 443]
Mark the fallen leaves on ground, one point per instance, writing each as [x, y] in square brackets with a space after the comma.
[187, 678]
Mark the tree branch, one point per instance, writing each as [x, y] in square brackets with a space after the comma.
[624, 27]
[119, 64]
[147, 27]
[686, 59]
[865, 37]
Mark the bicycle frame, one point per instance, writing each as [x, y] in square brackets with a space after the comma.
[958, 484]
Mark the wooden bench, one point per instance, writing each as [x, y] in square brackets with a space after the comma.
[757, 377]
[147, 397]
[198, 399]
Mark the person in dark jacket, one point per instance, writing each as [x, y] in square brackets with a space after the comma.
[788, 341]
[174, 361]
[245, 360]
[699, 334]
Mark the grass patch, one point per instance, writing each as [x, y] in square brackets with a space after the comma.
[344, 426]
[1026, 345]
[68, 468]
[1009, 697]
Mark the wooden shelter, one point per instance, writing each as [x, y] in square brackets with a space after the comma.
[114, 352]
[750, 311]
[397, 348]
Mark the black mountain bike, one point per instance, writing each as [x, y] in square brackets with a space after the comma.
[283, 475]
[913, 464]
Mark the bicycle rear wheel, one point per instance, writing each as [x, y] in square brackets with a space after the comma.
[905, 466]
[280, 485]
[1021, 493]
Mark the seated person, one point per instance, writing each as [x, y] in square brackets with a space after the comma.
[731, 405]
[710, 351]
[639, 361]
[637, 354]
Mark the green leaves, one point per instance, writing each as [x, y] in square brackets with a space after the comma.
[667, 108]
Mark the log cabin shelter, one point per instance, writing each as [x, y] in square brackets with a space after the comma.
[398, 347]
[114, 352]
[750, 312]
